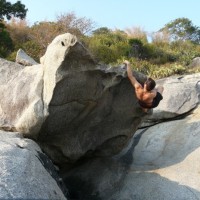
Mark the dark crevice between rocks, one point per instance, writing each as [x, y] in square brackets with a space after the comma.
[79, 189]
[49, 166]
[179, 117]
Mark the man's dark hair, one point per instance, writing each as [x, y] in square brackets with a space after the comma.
[150, 84]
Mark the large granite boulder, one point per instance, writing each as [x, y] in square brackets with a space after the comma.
[160, 163]
[92, 108]
[71, 105]
[25, 171]
[181, 95]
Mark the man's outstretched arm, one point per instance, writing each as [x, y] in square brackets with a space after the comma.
[133, 80]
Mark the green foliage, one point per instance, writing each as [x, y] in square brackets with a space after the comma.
[137, 33]
[182, 29]
[137, 48]
[185, 51]
[156, 71]
[30, 47]
[164, 71]
[33, 50]
[8, 10]
[102, 30]
[6, 45]
[150, 51]
[108, 46]
[159, 58]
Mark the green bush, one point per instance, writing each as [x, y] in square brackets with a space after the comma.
[6, 44]
[108, 47]
[164, 71]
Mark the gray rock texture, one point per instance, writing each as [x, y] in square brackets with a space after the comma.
[73, 106]
[85, 116]
[24, 59]
[21, 103]
[92, 108]
[195, 63]
[160, 163]
[22, 171]
[181, 95]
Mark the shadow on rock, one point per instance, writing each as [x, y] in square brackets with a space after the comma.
[109, 179]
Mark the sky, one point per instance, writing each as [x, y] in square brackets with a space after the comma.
[149, 15]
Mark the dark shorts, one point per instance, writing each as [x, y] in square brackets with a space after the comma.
[155, 102]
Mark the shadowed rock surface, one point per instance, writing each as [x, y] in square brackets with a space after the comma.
[160, 163]
[93, 109]
[71, 105]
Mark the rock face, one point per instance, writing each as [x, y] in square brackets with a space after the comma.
[73, 106]
[85, 113]
[21, 103]
[195, 62]
[181, 95]
[23, 175]
[86, 105]
[23, 59]
[161, 162]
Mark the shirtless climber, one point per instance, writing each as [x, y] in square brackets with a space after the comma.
[148, 96]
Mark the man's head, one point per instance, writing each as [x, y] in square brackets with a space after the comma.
[150, 84]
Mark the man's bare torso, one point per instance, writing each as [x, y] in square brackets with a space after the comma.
[145, 96]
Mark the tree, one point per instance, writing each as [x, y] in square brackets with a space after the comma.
[182, 29]
[102, 30]
[8, 10]
[160, 38]
[44, 32]
[137, 33]
[6, 44]
[71, 23]
[108, 46]
[19, 31]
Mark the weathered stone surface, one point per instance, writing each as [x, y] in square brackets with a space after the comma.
[76, 108]
[86, 104]
[161, 162]
[180, 96]
[86, 112]
[91, 108]
[24, 59]
[195, 63]
[21, 103]
[22, 172]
